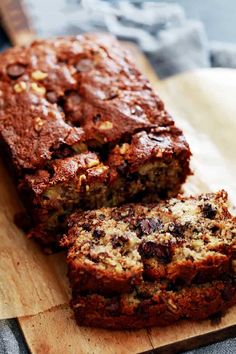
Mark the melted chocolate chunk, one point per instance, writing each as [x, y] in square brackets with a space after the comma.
[101, 216]
[86, 227]
[150, 249]
[119, 241]
[97, 118]
[215, 228]
[148, 226]
[177, 229]
[208, 211]
[98, 233]
[15, 70]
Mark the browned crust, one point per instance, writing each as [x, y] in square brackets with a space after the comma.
[63, 97]
[189, 303]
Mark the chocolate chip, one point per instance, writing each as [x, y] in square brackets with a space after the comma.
[51, 96]
[148, 226]
[190, 258]
[101, 216]
[97, 234]
[215, 228]
[150, 249]
[119, 241]
[176, 229]
[208, 211]
[97, 118]
[86, 227]
[15, 70]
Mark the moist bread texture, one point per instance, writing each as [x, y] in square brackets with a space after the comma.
[182, 240]
[82, 128]
[154, 304]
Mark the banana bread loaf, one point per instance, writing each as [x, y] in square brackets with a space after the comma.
[183, 240]
[154, 304]
[81, 127]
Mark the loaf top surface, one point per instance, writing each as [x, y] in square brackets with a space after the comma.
[171, 240]
[72, 94]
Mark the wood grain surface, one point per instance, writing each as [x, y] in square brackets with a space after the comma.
[203, 104]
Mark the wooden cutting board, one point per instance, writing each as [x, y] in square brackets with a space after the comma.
[204, 105]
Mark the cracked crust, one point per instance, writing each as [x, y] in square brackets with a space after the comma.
[69, 90]
[66, 98]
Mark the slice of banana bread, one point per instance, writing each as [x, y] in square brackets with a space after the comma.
[154, 304]
[85, 181]
[183, 240]
[66, 97]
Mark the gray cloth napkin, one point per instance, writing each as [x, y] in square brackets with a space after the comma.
[11, 338]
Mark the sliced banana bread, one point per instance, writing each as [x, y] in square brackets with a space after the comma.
[65, 97]
[183, 240]
[86, 181]
[154, 304]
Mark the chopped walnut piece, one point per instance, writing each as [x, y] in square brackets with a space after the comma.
[20, 87]
[38, 124]
[123, 149]
[106, 125]
[38, 89]
[39, 75]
